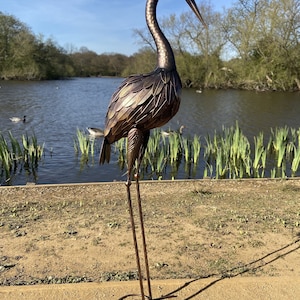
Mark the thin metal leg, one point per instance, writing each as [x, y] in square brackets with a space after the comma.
[135, 241]
[143, 235]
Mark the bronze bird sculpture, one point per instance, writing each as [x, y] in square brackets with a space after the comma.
[141, 103]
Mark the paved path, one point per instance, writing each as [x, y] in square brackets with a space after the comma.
[213, 288]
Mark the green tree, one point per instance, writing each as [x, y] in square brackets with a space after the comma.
[26, 56]
[143, 61]
[265, 35]
[117, 63]
[86, 62]
[16, 42]
[52, 61]
[89, 63]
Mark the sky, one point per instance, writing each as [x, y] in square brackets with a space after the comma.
[103, 26]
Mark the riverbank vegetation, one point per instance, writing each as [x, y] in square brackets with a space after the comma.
[252, 45]
[17, 155]
[227, 154]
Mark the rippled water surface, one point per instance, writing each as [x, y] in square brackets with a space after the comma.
[55, 109]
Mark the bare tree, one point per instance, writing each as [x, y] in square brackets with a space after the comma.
[197, 49]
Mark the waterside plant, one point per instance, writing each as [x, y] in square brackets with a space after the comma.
[15, 155]
[85, 146]
[226, 154]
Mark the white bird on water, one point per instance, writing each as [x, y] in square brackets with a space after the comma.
[17, 119]
[170, 132]
[96, 132]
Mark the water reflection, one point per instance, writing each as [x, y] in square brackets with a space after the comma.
[254, 112]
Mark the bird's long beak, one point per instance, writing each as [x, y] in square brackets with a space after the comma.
[195, 9]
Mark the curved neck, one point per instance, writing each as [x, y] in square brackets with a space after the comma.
[165, 55]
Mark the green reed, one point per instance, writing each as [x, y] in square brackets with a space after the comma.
[85, 146]
[260, 156]
[6, 160]
[156, 154]
[280, 144]
[196, 149]
[187, 149]
[120, 147]
[294, 150]
[14, 154]
[282, 148]
[15, 147]
[82, 143]
[295, 161]
[32, 151]
[175, 147]
[225, 154]
[228, 153]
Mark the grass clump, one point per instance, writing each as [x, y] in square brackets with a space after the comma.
[15, 155]
[225, 154]
[85, 146]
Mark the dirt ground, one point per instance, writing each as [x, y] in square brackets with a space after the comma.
[207, 239]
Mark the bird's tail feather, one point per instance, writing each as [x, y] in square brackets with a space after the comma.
[105, 152]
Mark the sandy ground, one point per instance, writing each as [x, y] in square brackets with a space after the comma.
[207, 239]
[261, 288]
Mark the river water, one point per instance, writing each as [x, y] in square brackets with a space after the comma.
[55, 109]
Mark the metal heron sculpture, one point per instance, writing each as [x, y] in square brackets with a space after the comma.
[141, 103]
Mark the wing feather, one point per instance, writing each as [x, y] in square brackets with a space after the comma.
[142, 101]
